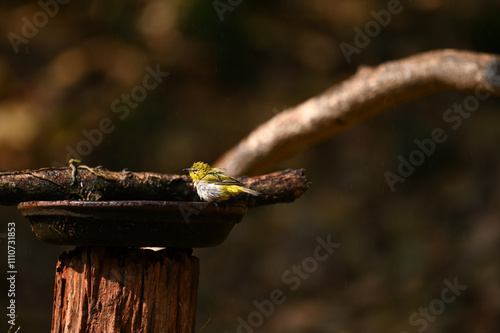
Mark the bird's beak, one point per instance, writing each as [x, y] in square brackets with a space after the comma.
[186, 169]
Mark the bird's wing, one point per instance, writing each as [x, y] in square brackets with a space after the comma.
[220, 178]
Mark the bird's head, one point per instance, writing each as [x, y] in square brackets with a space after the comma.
[198, 170]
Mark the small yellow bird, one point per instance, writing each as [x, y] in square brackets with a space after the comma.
[212, 184]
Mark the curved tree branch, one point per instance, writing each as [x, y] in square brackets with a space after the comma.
[368, 92]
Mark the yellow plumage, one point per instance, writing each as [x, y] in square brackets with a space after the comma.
[212, 184]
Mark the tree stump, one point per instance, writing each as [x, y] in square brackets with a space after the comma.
[106, 289]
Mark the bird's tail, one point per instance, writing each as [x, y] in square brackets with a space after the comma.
[249, 191]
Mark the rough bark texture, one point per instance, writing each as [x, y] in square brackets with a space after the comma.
[98, 184]
[368, 92]
[125, 290]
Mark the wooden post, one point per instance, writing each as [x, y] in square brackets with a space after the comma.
[110, 285]
[106, 289]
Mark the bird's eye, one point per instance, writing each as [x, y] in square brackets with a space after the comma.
[195, 170]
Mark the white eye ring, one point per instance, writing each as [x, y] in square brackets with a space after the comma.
[195, 170]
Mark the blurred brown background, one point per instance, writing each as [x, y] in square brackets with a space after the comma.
[60, 80]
